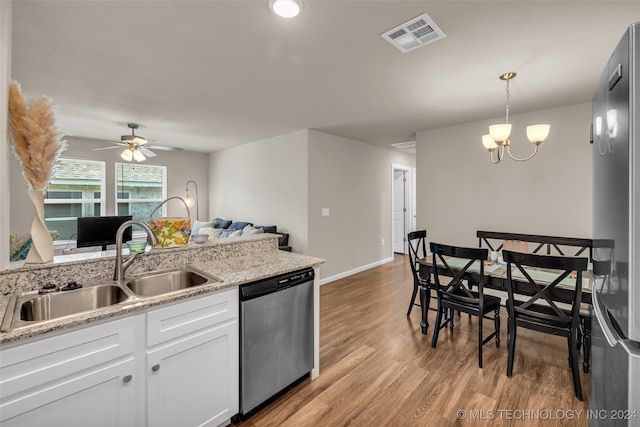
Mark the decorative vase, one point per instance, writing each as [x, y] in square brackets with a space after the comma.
[41, 250]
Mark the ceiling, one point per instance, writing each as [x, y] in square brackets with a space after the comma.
[209, 75]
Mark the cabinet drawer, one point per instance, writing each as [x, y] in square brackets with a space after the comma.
[186, 317]
[53, 359]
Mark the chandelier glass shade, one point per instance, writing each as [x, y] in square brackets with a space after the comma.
[500, 133]
[498, 137]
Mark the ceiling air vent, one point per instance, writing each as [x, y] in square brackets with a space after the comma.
[414, 33]
[406, 144]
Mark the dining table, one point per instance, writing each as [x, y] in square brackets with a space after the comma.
[496, 278]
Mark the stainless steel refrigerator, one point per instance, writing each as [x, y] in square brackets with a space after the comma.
[615, 375]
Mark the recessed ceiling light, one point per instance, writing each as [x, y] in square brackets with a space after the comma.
[286, 8]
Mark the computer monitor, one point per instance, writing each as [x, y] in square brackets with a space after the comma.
[101, 230]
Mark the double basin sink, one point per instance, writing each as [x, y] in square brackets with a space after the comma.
[35, 307]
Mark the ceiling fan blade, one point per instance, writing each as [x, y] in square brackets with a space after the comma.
[109, 148]
[164, 147]
[146, 151]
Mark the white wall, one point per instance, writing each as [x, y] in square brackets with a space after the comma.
[460, 191]
[287, 180]
[5, 72]
[181, 166]
[354, 181]
[264, 182]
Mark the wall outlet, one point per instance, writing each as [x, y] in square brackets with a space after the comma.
[382, 242]
[325, 211]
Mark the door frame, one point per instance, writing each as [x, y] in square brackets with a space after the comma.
[410, 217]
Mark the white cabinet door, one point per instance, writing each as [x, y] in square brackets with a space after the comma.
[192, 362]
[100, 398]
[100, 375]
[79, 378]
[194, 382]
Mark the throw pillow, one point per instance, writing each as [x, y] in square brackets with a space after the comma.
[222, 223]
[239, 225]
[213, 233]
[268, 228]
[197, 225]
[230, 233]
[248, 230]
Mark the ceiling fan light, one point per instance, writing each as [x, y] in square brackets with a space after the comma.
[538, 133]
[127, 155]
[500, 133]
[138, 156]
[488, 142]
[286, 8]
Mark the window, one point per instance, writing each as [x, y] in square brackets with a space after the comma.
[77, 189]
[140, 189]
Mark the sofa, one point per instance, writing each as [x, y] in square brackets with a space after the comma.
[219, 228]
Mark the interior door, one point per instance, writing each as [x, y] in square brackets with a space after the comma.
[399, 210]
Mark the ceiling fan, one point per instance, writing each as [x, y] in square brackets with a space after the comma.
[135, 146]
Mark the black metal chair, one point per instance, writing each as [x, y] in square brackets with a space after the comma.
[417, 249]
[456, 296]
[540, 311]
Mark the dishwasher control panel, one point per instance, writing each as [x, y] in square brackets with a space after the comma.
[275, 284]
[295, 278]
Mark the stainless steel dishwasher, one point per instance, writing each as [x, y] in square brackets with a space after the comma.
[276, 335]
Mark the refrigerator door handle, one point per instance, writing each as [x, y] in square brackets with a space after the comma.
[613, 338]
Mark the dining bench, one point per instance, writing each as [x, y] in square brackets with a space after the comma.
[552, 245]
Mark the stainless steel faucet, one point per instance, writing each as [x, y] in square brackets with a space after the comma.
[121, 266]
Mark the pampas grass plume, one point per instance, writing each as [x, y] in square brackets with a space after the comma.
[36, 140]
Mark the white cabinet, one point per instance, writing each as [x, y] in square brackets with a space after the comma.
[176, 365]
[192, 362]
[78, 378]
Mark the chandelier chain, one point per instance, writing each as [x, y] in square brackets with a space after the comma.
[506, 120]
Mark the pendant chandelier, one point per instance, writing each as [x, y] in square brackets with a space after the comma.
[498, 137]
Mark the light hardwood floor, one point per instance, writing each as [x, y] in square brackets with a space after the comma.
[377, 369]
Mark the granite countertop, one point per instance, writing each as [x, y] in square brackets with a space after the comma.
[233, 271]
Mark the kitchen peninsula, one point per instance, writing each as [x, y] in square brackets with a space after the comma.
[139, 331]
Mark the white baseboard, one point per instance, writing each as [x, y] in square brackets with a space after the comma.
[354, 271]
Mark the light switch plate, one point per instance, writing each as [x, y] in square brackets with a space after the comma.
[325, 211]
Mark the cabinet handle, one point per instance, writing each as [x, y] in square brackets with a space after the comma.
[156, 367]
[127, 378]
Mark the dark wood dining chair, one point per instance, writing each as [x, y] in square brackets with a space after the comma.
[601, 268]
[417, 250]
[540, 311]
[457, 296]
[584, 335]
